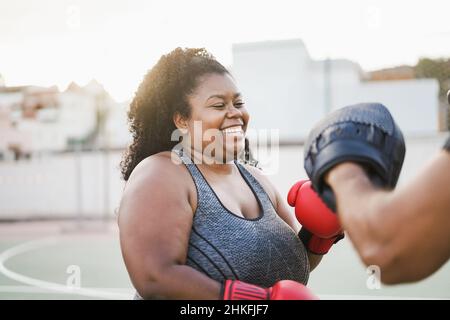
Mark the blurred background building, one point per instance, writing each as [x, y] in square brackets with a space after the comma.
[62, 148]
[35, 119]
[286, 89]
[60, 154]
[62, 136]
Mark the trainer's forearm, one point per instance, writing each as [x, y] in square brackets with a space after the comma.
[396, 229]
[360, 208]
[181, 282]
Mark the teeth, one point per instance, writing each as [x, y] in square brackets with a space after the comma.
[233, 129]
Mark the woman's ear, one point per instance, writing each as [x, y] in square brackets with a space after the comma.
[180, 122]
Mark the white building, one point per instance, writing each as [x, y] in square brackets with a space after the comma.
[45, 119]
[285, 89]
[116, 129]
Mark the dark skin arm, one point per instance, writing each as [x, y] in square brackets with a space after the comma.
[155, 219]
[406, 232]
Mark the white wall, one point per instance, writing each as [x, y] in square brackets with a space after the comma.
[413, 103]
[74, 118]
[273, 77]
[78, 114]
[117, 126]
[9, 98]
[285, 89]
[42, 136]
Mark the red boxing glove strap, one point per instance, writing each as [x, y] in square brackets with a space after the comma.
[238, 290]
[317, 245]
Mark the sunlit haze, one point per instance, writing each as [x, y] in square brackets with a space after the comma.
[54, 42]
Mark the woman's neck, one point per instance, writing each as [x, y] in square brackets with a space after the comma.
[211, 163]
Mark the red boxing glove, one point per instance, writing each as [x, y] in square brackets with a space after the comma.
[282, 290]
[320, 226]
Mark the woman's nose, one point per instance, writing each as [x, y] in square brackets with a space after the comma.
[233, 112]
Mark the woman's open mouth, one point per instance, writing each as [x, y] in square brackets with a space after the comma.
[235, 130]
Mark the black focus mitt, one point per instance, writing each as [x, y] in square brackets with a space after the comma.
[364, 133]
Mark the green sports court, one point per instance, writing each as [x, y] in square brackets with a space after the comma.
[40, 260]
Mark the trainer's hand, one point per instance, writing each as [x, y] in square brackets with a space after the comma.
[320, 226]
[282, 290]
[364, 133]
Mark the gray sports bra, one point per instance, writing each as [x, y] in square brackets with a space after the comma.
[224, 246]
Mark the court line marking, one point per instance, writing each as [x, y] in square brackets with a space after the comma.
[47, 285]
[365, 297]
[29, 289]
[41, 286]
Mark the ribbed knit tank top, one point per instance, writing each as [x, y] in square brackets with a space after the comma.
[223, 245]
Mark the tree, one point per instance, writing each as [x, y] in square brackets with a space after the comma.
[438, 69]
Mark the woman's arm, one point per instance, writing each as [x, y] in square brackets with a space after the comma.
[406, 232]
[155, 219]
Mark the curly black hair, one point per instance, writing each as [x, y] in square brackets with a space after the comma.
[162, 93]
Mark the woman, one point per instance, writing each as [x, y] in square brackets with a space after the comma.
[190, 229]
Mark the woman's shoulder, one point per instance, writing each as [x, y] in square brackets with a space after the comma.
[163, 167]
[157, 158]
[252, 169]
[162, 172]
[256, 171]
[165, 160]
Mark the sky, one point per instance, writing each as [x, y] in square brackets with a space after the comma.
[54, 42]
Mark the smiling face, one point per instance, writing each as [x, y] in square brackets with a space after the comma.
[218, 118]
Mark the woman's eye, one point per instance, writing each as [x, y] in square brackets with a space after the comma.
[222, 105]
